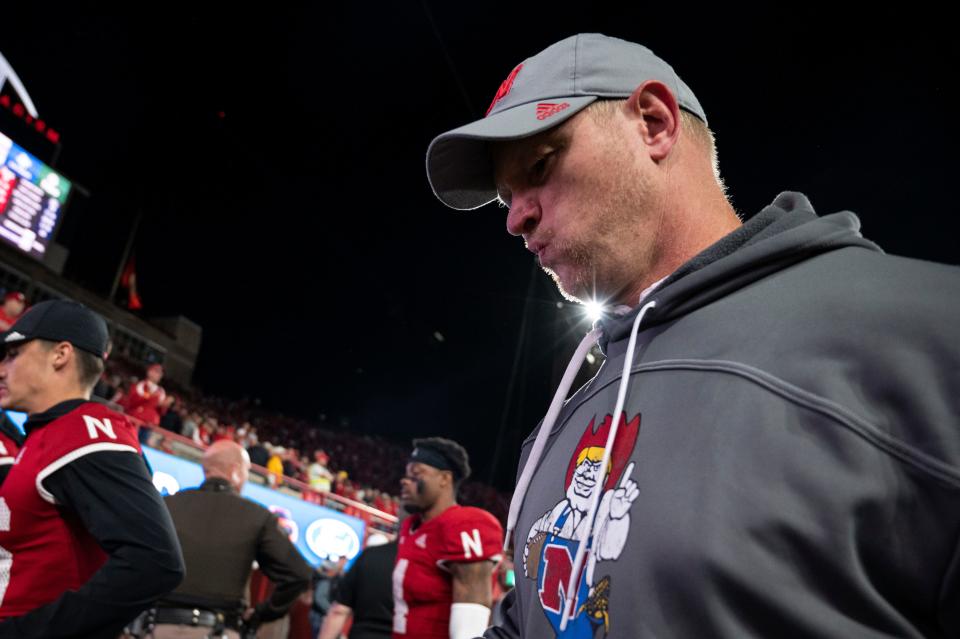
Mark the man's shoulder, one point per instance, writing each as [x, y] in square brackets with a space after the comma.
[469, 533]
[931, 283]
[88, 411]
[888, 276]
[226, 496]
[467, 515]
[897, 299]
[239, 510]
[841, 295]
[90, 427]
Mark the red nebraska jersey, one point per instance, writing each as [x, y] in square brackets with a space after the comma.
[44, 549]
[144, 401]
[422, 586]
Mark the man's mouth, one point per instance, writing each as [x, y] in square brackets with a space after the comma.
[537, 248]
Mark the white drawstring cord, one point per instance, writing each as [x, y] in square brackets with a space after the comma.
[598, 489]
[548, 422]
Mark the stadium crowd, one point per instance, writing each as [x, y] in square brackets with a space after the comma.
[359, 467]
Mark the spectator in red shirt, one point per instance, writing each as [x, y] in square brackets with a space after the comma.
[222, 433]
[147, 400]
[14, 304]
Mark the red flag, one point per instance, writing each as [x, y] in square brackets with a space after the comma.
[128, 280]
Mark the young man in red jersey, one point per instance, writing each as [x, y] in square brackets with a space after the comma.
[85, 541]
[447, 552]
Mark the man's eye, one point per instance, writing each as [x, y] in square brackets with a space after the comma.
[539, 169]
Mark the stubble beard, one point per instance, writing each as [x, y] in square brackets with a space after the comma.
[593, 259]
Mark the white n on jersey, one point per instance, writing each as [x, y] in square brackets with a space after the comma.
[471, 544]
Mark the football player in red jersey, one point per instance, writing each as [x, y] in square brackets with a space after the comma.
[85, 540]
[447, 553]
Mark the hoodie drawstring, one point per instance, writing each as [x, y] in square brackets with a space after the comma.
[598, 489]
[548, 421]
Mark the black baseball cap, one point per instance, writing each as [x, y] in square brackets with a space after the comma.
[60, 321]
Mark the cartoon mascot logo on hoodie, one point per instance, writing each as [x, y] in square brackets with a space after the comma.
[552, 541]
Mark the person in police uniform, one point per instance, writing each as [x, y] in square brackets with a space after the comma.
[222, 534]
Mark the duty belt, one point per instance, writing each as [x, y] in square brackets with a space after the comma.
[189, 617]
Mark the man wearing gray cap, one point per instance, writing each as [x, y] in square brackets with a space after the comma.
[85, 541]
[771, 446]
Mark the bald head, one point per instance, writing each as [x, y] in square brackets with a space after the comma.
[227, 460]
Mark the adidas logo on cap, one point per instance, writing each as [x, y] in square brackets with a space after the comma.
[547, 109]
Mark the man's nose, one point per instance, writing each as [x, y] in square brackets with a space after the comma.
[524, 214]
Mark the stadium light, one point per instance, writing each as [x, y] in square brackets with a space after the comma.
[593, 310]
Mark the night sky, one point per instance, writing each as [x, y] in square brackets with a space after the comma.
[277, 163]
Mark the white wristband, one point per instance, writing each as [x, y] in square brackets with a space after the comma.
[468, 620]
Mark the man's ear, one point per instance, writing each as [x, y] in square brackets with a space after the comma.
[61, 354]
[657, 115]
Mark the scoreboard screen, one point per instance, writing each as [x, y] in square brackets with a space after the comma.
[32, 197]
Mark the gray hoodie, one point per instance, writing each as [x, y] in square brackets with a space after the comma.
[785, 461]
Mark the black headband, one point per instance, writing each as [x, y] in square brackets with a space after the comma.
[433, 457]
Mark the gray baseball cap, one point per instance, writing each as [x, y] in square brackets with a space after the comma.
[539, 94]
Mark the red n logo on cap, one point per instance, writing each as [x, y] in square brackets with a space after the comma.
[504, 88]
